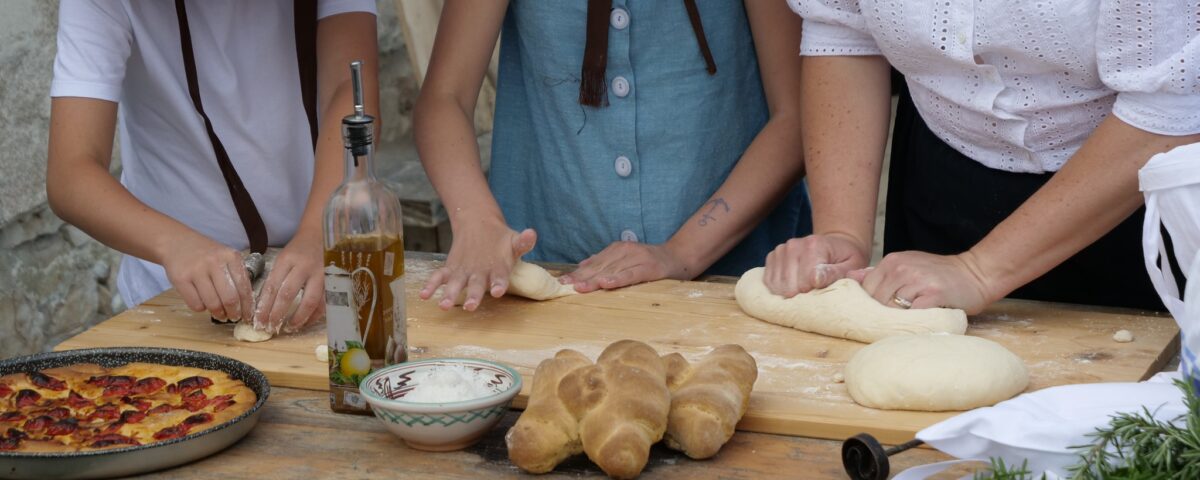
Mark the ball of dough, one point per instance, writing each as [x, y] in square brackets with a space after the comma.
[246, 332]
[1123, 336]
[322, 353]
[934, 372]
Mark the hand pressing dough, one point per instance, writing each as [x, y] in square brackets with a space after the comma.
[532, 282]
[842, 310]
[245, 331]
[934, 372]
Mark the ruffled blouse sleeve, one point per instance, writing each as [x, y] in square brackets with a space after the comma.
[1149, 52]
[833, 27]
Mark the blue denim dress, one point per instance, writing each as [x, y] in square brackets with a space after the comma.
[636, 169]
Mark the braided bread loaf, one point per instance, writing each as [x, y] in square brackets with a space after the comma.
[616, 409]
[613, 410]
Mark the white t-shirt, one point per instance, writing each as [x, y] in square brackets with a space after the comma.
[129, 52]
[1020, 85]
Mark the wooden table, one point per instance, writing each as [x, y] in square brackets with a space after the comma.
[299, 437]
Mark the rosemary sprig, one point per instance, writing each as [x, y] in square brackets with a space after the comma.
[1137, 446]
[1134, 446]
[1001, 471]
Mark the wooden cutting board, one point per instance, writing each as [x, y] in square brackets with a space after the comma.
[796, 393]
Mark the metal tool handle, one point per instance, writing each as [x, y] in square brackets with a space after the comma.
[864, 458]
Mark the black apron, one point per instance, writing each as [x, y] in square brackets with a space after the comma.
[943, 202]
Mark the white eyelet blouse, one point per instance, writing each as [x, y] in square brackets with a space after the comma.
[1018, 85]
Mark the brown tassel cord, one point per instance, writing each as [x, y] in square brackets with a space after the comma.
[698, 27]
[592, 84]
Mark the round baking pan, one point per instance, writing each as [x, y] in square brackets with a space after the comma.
[132, 460]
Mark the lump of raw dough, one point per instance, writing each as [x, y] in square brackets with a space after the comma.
[245, 331]
[934, 372]
[322, 353]
[842, 310]
[1123, 336]
[534, 282]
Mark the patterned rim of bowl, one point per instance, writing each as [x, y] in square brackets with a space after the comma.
[378, 400]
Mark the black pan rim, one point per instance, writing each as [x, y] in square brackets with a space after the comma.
[14, 363]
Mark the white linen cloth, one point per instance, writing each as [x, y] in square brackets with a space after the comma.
[1042, 426]
[1019, 85]
[1171, 183]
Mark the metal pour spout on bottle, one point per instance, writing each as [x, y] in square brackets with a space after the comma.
[364, 265]
[358, 129]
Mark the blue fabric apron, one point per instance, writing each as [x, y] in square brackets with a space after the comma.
[637, 168]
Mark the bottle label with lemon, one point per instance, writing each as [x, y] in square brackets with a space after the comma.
[364, 311]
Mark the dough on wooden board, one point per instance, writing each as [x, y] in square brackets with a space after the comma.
[532, 282]
[842, 310]
[245, 331]
[934, 372]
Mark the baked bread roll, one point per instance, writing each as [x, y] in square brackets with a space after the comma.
[547, 433]
[614, 410]
[708, 398]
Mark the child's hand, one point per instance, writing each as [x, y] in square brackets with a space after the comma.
[480, 260]
[627, 263]
[210, 276]
[297, 268]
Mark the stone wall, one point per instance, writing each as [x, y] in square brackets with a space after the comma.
[55, 281]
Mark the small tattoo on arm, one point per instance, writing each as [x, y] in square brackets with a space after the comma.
[713, 205]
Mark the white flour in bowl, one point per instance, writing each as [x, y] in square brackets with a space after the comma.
[449, 383]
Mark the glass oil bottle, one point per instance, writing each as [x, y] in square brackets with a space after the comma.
[364, 267]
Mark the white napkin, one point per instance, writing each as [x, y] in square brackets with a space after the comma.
[1040, 427]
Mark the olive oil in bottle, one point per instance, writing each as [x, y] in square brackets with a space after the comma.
[364, 267]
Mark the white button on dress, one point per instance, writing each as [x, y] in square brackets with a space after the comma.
[619, 18]
[628, 236]
[623, 166]
[620, 87]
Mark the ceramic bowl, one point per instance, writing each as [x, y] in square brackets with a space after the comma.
[439, 427]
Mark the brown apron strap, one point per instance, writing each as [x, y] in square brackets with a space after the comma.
[592, 84]
[306, 58]
[256, 231]
[595, 54]
[698, 28]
